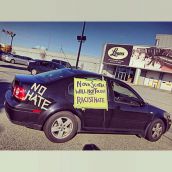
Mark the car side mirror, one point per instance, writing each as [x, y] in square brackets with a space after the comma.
[137, 102]
[142, 103]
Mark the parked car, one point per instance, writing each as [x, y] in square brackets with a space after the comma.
[3, 55]
[40, 66]
[16, 59]
[64, 63]
[49, 107]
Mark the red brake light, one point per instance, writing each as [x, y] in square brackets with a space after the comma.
[36, 110]
[19, 93]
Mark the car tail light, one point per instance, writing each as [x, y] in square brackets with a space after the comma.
[19, 92]
[36, 111]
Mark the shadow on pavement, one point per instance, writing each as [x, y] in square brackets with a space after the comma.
[14, 67]
[90, 147]
[4, 86]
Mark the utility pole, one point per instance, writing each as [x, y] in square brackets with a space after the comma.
[80, 39]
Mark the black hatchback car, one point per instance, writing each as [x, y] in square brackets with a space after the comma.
[45, 102]
[39, 66]
[64, 63]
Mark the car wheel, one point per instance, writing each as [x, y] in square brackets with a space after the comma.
[155, 131]
[61, 127]
[33, 71]
[12, 61]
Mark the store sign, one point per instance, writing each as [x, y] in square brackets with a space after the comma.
[90, 94]
[152, 58]
[143, 57]
[117, 54]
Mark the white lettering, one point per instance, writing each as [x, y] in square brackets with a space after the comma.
[28, 95]
[34, 99]
[45, 103]
[34, 87]
[42, 90]
[40, 99]
[37, 97]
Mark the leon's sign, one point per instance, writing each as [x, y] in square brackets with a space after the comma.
[117, 53]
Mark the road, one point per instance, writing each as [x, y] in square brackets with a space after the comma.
[14, 137]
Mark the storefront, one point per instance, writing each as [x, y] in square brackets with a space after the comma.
[120, 72]
[142, 65]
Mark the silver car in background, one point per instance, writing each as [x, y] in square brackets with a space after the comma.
[3, 56]
[16, 59]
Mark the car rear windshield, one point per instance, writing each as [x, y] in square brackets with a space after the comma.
[54, 75]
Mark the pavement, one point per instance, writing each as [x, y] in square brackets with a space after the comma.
[14, 137]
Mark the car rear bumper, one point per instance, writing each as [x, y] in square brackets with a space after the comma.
[19, 116]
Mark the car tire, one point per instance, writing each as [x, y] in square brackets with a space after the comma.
[12, 61]
[155, 130]
[61, 127]
[33, 71]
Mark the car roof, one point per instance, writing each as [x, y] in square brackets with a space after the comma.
[70, 72]
[64, 73]
[82, 72]
[39, 60]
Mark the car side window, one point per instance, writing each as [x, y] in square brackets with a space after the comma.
[122, 93]
[25, 58]
[57, 61]
[53, 66]
[64, 64]
[18, 57]
[44, 64]
[50, 65]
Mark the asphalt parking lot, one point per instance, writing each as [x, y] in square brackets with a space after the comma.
[14, 137]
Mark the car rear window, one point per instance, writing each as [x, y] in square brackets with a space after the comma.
[54, 75]
[56, 61]
[59, 66]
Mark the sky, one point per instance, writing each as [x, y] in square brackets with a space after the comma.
[57, 35]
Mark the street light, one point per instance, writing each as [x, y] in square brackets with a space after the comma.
[81, 39]
[12, 36]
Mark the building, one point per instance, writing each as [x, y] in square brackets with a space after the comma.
[163, 40]
[142, 65]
